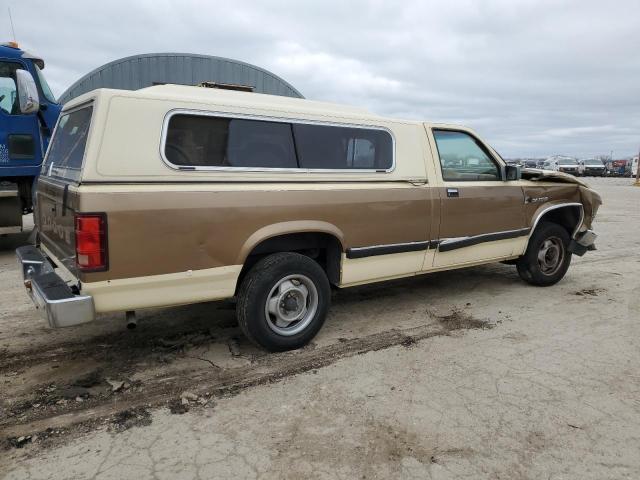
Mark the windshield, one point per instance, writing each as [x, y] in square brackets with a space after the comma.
[44, 86]
[593, 162]
[66, 151]
[568, 161]
[8, 88]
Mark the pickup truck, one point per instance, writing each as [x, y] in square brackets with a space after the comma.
[173, 195]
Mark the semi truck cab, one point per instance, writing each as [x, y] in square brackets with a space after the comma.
[28, 113]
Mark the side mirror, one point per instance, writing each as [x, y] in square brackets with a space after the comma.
[27, 92]
[512, 172]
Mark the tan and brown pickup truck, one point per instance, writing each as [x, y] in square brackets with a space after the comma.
[174, 195]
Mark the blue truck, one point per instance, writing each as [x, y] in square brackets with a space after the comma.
[28, 114]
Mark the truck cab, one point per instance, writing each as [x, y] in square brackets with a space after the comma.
[28, 113]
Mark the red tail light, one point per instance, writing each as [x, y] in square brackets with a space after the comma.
[91, 241]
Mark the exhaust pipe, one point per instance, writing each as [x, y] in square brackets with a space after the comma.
[130, 318]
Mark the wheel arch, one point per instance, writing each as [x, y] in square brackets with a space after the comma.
[321, 238]
[569, 214]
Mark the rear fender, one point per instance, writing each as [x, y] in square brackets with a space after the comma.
[283, 228]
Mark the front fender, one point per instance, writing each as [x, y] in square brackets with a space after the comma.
[549, 207]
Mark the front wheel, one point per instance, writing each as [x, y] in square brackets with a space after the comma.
[283, 301]
[547, 257]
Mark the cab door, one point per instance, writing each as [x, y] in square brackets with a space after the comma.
[482, 216]
[20, 148]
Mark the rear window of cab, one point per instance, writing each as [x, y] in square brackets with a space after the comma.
[195, 141]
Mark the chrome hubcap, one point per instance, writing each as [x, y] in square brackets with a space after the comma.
[291, 305]
[551, 255]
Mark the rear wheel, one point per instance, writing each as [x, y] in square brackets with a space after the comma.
[547, 258]
[283, 301]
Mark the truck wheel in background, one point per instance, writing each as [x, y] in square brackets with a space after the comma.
[547, 257]
[283, 301]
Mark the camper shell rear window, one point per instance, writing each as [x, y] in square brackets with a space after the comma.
[208, 141]
[65, 155]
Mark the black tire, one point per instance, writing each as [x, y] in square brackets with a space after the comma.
[548, 270]
[261, 284]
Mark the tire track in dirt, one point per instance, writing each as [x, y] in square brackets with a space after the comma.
[209, 382]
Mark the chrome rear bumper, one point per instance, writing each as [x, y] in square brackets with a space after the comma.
[51, 295]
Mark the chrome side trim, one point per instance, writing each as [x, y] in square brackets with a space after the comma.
[388, 249]
[555, 207]
[448, 244]
[207, 113]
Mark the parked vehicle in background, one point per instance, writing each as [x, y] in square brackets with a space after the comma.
[592, 167]
[634, 167]
[173, 195]
[550, 165]
[618, 168]
[28, 113]
[561, 163]
[531, 163]
[569, 165]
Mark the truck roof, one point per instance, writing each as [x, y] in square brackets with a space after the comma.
[200, 96]
[12, 50]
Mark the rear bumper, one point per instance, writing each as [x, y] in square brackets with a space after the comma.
[51, 295]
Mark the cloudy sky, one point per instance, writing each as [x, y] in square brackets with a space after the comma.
[532, 77]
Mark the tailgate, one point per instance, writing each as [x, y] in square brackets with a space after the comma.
[56, 197]
[55, 207]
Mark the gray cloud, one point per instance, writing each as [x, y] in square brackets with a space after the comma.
[532, 77]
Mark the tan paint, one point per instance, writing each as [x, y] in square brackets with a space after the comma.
[163, 290]
[483, 252]
[388, 267]
[182, 236]
[381, 267]
[144, 111]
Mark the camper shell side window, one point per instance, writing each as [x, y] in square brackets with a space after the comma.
[203, 141]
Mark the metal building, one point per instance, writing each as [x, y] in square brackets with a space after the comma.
[139, 71]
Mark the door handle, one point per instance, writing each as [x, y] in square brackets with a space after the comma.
[453, 193]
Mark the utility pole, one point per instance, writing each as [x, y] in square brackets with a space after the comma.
[637, 184]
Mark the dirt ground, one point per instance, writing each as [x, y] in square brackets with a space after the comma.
[462, 374]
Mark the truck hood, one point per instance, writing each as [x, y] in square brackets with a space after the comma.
[589, 198]
[535, 174]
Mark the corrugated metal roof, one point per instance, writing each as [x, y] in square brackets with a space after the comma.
[140, 71]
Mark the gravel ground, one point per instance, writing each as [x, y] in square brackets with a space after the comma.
[461, 374]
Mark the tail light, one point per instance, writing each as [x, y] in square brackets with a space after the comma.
[91, 241]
